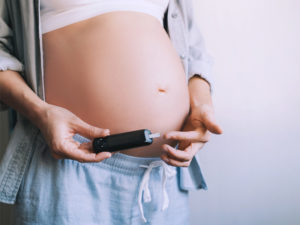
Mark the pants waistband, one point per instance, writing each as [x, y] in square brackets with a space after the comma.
[118, 161]
[134, 166]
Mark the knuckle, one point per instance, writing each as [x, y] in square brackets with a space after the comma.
[196, 122]
[175, 136]
[99, 159]
[92, 131]
[77, 157]
[205, 140]
[55, 145]
[165, 158]
[81, 160]
[187, 157]
[187, 164]
[171, 162]
[55, 156]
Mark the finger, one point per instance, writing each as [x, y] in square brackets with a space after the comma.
[182, 145]
[56, 149]
[86, 145]
[182, 155]
[57, 156]
[179, 155]
[192, 136]
[210, 123]
[83, 154]
[89, 146]
[90, 131]
[174, 162]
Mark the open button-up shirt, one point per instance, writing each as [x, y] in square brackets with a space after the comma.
[21, 50]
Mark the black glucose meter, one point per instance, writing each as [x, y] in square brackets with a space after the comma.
[116, 142]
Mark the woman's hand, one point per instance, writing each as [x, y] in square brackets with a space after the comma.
[196, 131]
[58, 125]
[192, 138]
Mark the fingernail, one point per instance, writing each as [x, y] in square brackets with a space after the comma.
[107, 131]
[108, 155]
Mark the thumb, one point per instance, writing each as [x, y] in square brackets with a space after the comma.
[90, 131]
[210, 123]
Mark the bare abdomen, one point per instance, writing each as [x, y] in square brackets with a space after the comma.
[119, 71]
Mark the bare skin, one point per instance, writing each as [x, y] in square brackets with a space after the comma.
[118, 77]
[59, 122]
[200, 123]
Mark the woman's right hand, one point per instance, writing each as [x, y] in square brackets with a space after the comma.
[58, 126]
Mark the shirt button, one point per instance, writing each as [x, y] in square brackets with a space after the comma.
[182, 56]
[174, 15]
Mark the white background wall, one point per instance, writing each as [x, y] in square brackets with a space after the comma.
[252, 170]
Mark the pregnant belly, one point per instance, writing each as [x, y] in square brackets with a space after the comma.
[120, 71]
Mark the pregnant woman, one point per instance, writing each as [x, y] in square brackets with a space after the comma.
[75, 70]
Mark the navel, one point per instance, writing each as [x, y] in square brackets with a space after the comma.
[161, 90]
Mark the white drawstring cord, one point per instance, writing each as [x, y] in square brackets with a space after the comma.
[144, 186]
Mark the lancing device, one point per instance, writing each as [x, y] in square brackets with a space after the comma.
[116, 142]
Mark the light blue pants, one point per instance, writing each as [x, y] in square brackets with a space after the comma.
[120, 190]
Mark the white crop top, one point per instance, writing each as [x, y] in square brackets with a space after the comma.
[59, 13]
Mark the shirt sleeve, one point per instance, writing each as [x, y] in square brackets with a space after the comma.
[200, 62]
[7, 60]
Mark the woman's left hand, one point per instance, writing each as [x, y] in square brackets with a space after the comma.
[192, 138]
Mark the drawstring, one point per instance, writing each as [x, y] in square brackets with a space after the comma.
[144, 187]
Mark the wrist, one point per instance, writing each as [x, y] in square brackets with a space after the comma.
[38, 113]
[200, 94]
[200, 78]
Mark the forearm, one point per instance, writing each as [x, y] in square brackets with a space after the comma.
[17, 94]
[199, 91]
